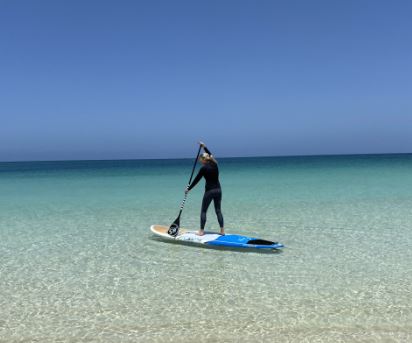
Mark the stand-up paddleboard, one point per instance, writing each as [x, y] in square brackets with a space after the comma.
[214, 239]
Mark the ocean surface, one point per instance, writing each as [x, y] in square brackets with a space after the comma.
[78, 262]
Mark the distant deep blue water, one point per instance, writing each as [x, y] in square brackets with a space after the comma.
[78, 262]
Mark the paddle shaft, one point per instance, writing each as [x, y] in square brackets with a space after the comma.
[174, 228]
[190, 180]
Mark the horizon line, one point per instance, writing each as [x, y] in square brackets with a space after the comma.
[223, 157]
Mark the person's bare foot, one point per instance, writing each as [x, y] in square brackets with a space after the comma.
[222, 232]
[200, 232]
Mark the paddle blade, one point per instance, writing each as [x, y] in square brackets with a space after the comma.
[174, 228]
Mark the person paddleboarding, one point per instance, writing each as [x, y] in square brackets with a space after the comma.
[213, 191]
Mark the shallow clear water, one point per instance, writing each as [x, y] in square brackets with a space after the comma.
[78, 263]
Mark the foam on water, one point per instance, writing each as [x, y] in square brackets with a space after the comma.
[78, 262]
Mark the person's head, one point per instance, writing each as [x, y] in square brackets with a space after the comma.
[206, 158]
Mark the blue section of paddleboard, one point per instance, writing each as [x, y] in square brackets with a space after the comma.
[239, 241]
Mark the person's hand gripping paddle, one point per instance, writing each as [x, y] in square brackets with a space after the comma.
[174, 228]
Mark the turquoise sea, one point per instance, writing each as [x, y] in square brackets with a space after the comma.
[79, 264]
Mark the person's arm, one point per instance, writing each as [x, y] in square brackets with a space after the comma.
[203, 145]
[206, 150]
[197, 179]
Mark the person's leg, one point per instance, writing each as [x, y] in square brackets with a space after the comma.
[217, 201]
[207, 199]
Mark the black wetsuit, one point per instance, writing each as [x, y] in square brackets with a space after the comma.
[210, 172]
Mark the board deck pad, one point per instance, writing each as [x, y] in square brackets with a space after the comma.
[215, 239]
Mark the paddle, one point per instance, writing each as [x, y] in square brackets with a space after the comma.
[174, 228]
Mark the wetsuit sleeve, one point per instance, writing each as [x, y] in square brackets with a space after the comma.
[197, 178]
[207, 150]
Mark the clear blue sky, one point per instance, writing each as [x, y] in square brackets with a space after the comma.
[147, 79]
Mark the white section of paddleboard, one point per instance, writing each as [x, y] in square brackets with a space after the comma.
[192, 237]
[184, 235]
